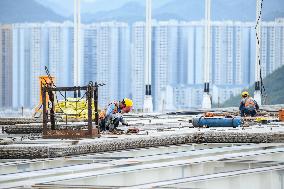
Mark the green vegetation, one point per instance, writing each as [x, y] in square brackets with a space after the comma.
[274, 85]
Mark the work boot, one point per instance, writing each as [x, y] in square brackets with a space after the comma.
[111, 128]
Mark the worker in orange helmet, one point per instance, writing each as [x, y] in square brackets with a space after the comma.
[248, 105]
[112, 115]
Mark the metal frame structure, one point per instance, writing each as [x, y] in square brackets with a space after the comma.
[91, 94]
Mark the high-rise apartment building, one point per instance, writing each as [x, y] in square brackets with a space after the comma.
[164, 59]
[114, 53]
[6, 66]
[107, 60]
[137, 62]
[34, 47]
[21, 66]
[195, 53]
[178, 53]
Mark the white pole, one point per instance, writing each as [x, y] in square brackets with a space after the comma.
[206, 102]
[148, 43]
[257, 93]
[77, 42]
[207, 42]
[148, 103]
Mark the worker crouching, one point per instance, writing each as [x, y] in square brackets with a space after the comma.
[248, 105]
[112, 115]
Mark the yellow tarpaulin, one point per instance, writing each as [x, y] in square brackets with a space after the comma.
[74, 108]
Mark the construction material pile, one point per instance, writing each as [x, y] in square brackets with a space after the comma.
[45, 151]
[74, 108]
[23, 128]
[17, 120]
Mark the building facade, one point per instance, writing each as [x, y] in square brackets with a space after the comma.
[113, 53]
[107, 59]
[34, 47]
[6, 66]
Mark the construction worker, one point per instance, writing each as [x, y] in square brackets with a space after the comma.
[112, 115]
[248, 105]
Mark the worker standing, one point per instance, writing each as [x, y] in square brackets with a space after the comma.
[248, 105]
[112, 115]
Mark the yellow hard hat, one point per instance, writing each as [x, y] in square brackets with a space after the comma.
[245, 94]
[128, 102]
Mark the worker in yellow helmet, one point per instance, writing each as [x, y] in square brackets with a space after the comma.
[112, 115]
[248, 105]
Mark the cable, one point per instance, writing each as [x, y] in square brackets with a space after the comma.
[262, 89]
[50, 78]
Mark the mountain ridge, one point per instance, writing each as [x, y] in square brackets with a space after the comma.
[192, 10]
[188, 10]
[274, 89]
[17, 11]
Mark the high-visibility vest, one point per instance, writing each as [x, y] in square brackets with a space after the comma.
[102, 114]
[249, 102]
